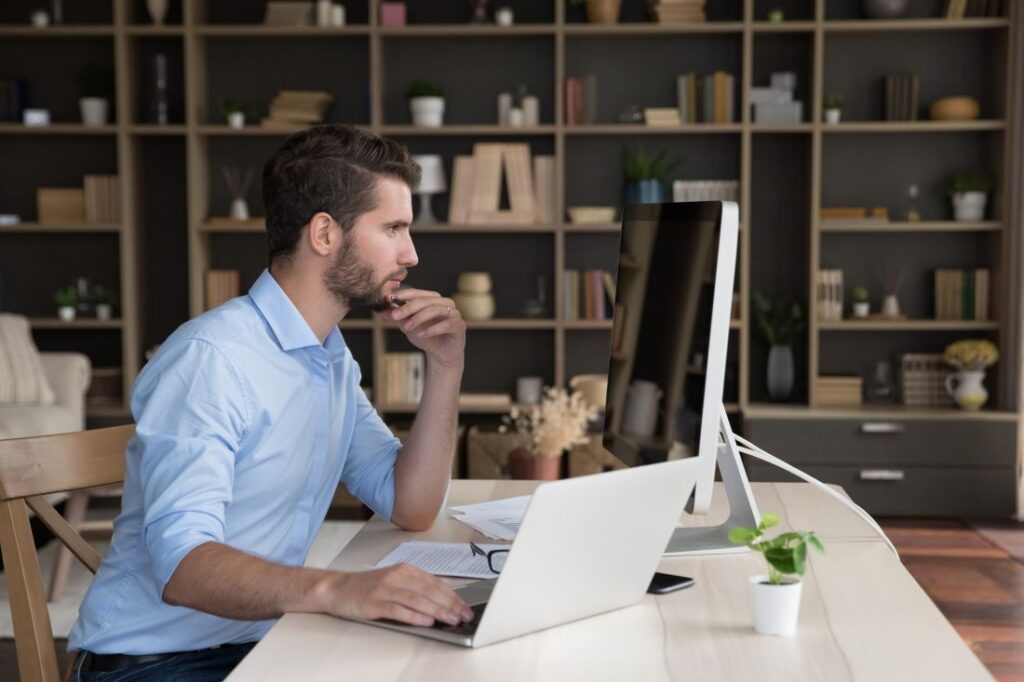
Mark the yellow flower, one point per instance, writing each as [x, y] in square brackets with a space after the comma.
[971, 354]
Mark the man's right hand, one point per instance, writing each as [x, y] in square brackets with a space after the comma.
[402, 592]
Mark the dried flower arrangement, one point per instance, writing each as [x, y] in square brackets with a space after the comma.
[558, 422]
[971, 355]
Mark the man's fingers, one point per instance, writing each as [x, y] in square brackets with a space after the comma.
[432, 604]
[440, 310]
[396, 611]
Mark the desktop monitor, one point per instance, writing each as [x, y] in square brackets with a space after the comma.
[673, 301]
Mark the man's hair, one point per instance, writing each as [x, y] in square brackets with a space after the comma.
[329, 168]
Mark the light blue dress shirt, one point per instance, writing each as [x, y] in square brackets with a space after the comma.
[245, 424]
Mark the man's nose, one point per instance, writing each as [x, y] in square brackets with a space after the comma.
[408, 257]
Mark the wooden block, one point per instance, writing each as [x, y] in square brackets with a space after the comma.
[462, 190]
[518, 171]
[544, 189]
[60, 204]
[486, 196]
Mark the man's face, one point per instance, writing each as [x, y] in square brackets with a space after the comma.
[376, 252]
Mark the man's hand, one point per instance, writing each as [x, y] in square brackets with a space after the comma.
[433, 324]
[402, 592]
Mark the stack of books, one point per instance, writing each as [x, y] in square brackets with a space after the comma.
[403, 378]
[102, 199]
[838, 391]
[853, 216]
[221, 286]
[962, 294]
[478, 180]
[706, 99]
[901, 97]
[661, 116]
[829, 295]
[676, 11]
[706, 190]
[292, 108]
[13, 99]
[589, 295]
[60, 205]
[580, 100]
[958, 9]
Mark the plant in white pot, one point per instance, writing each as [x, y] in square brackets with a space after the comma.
[861, 301]
[426, 102]
[65, 299]
[233, 112]
[833, 108]
[104, 300]
[777, 594]
[778, 321]
[971, 357]
[96, 87]
[969, 191]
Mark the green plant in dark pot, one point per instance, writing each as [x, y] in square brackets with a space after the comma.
[646, 174]
[96, 90]
[426, 103]
[778, 320]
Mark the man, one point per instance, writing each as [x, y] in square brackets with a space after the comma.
[250, 414]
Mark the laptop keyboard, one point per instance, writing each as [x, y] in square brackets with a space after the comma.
[464, 628]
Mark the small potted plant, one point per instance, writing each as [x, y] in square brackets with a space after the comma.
[96, 87]
[970, 194]
[426, 102]
[777, 594]
[861, 301]
[65, 299]
[104, 299]
[646, 174]
[546, 430]
[833, 108]
[776, 15]
[778, 321]
[971, 357]
[233, 112]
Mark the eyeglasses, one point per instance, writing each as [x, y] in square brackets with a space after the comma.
[495, 558]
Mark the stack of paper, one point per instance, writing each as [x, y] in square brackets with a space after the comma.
[452, 559]
[499, 519]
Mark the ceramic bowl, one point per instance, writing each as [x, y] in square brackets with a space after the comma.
[954, 109]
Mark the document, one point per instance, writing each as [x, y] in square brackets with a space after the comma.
[453, 559]
[498, 519]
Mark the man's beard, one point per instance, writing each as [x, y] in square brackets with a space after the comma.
[351, 280]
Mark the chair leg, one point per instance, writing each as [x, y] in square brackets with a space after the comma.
[74, 513]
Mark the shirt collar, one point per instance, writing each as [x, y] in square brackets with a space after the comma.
[289, 326]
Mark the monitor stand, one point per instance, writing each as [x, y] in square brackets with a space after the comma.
[742, 507]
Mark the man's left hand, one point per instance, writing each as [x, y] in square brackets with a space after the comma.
[433, 324]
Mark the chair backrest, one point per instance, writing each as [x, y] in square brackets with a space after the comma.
[29, 469]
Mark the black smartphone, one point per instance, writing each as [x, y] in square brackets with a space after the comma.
[663, 583]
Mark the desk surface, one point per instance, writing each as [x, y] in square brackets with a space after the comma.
[863, 617]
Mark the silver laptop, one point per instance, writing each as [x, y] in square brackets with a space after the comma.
[586, 546]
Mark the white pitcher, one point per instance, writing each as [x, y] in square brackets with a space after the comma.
[641, 413]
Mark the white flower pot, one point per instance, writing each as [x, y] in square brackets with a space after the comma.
[104, 311]
[236, 119]
[832, 115]
[776, 607]
[427, 111]
[861, 309]
[94, 111]
[66, 313]
[967, 389]
[239, 209]
[969, 206]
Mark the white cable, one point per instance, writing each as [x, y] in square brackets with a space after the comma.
[755, 451]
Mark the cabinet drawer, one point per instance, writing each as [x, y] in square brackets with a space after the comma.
[918, 442]
[915, 491]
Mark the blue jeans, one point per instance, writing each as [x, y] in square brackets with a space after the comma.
[208, 665]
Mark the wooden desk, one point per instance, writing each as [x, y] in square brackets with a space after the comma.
[863, 617]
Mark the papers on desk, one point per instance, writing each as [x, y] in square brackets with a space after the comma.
[451, 559]
[499, 519]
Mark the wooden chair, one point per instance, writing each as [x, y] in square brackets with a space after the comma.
[29, 469]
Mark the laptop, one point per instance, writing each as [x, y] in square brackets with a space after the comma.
[586, 546]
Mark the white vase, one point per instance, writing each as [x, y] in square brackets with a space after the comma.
[94, 111]
[861, 309]
[66, 313]
[780, 372]
[969, 206]
[832, 115]
[891, 306]
[236, 119]
[239, 209]
[427, 111]
[776, 607]
[474, 306]
[967, 389]
[104, 311]
[157, 11]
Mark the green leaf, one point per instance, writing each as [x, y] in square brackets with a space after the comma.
[781, 559]
[800, 557]
[768, 520]
[741, 536]
[815, 542]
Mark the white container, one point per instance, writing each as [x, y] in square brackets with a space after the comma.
[239, 209]
[969, 206]
[503, 16]
[891, 306]
[640, 416]
[157, 11]
[967, 390]
[36, 117]
[236, 119]
[861, 309]
[776, 607]
[94, 111]
[474, 282]
[40, 19]
[323, 12]
[531, 110]
[427, 111]
[515, 117]
[338, 15]
[832, 116]
[104, 311]
[66, 313]
[504, 106]
[474, 307]
[529, 390]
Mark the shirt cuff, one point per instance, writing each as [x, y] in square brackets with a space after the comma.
[172, 537]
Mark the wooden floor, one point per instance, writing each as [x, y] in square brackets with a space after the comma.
[976, 584]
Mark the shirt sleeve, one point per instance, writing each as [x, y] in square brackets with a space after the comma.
[191, 418]
[369, 471]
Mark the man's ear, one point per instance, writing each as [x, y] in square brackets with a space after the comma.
[320, 235]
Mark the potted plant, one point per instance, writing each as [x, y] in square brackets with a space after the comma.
[778, 320]
[971, 357]
[777, 594]
[970, 194]
[546, 430]
[646, 174]
[426, 102]
[833, 107]
[233, 112]
[861, 301]
[65, 299]
[104, 299]
[96, 89]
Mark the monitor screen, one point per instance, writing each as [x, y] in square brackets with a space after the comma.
[664, 369]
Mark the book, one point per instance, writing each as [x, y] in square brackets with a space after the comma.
[221, 286]
[544, 189]
[461, 191]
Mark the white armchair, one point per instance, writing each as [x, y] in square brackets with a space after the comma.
[69, 375]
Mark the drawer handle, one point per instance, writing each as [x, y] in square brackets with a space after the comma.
[881, 427]
[881, 474]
